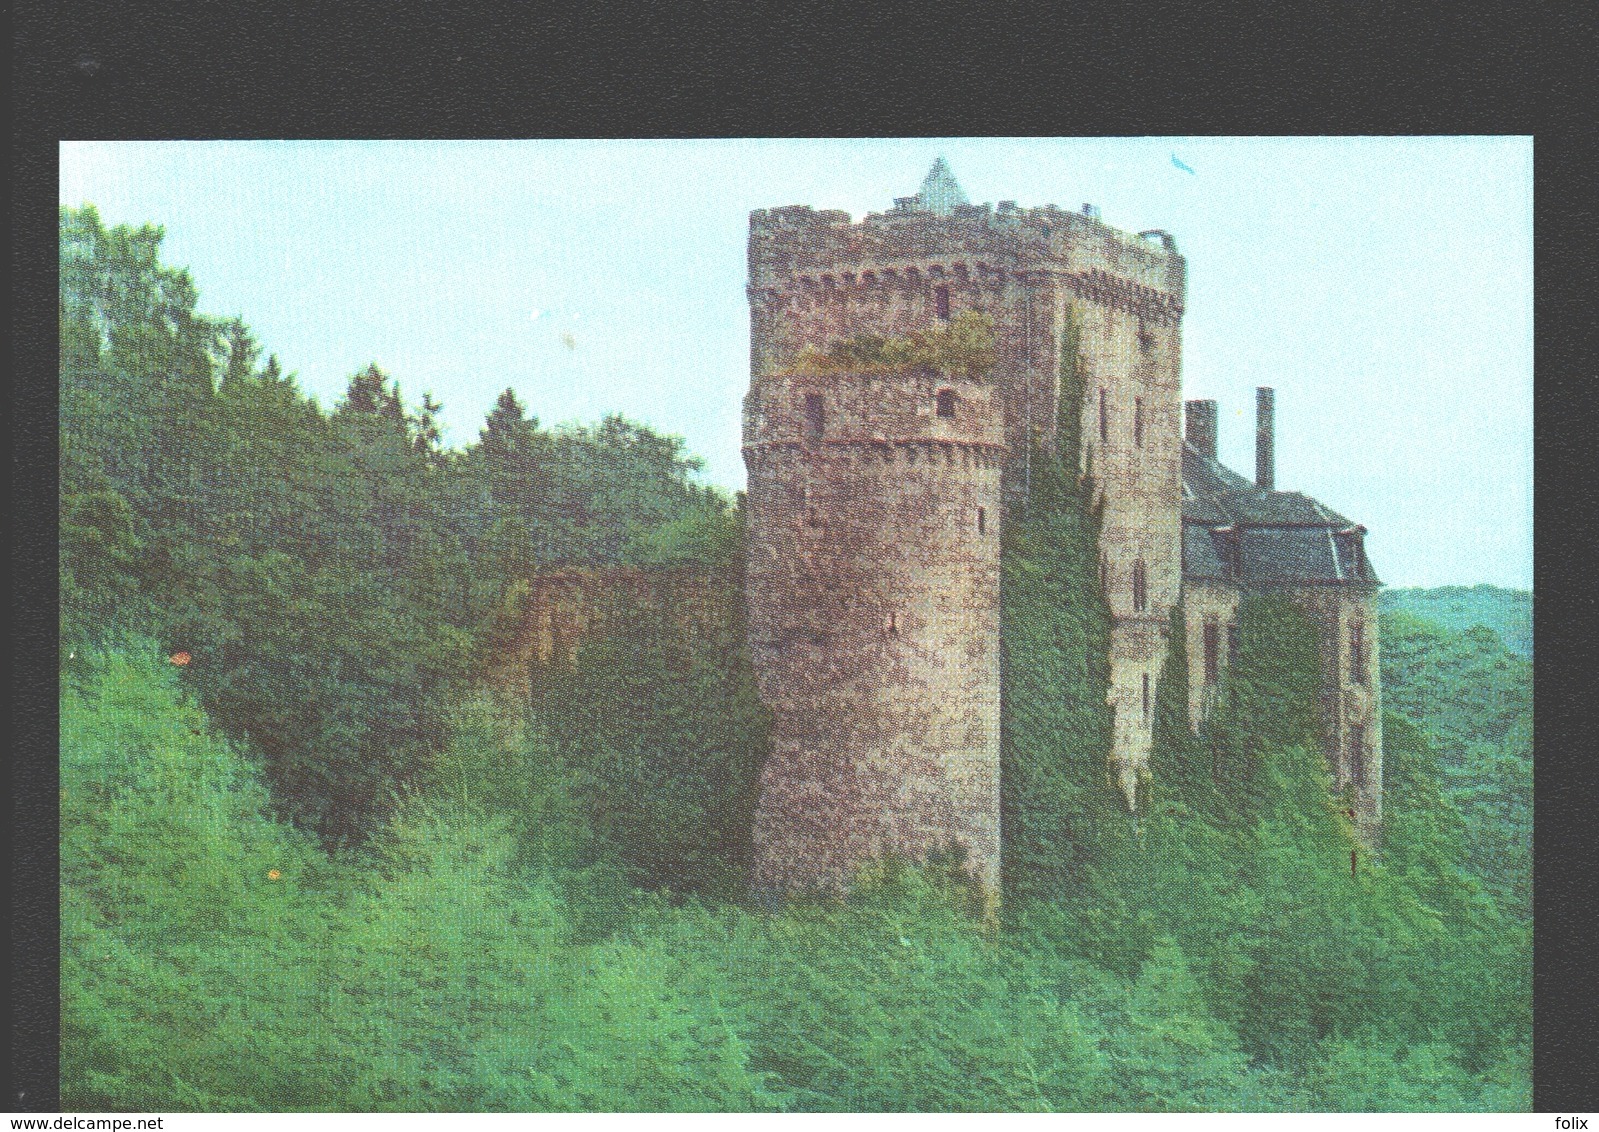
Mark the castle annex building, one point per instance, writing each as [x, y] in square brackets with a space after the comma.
[876, 500]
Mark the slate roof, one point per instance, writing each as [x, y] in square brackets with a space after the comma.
[940, 192]
[1234, 531]
[1202, 556]
[1240, 501]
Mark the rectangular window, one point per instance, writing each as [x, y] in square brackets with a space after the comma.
[1357, 653]
[1138, 422]
[1212, 652]
[1357, 754]
[1146, 699]
[941, 301]
[1140, 587]
[982, 521]
[1104, 418]
[815, 416]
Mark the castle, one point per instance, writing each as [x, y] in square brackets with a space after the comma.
[876, 501]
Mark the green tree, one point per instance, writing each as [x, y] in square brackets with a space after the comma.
[661, 736]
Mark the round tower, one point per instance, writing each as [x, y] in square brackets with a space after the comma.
[873, 578]
[873, 596]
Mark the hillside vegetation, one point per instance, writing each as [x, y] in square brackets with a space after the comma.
[1473, 698]
[1457, 608]
[305, 864]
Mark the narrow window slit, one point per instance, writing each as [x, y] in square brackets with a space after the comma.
[815, 416]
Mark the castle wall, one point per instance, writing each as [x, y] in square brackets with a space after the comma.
[1207, 603]
[814, 277]
[1351, 693]
[888, 742]
[1130, 418]
[873, 595]
[896, 297]
[560, 609]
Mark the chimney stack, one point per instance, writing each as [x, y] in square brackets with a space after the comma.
[1265, 438]
[1201, 426]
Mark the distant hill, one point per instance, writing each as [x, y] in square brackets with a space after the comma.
[1458, 608]
[1464, 686]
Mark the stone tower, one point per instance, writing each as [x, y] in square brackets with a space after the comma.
[874, 515]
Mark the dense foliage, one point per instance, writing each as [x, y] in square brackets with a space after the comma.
[330, 575]
[1473, 698]
[1055, 725]
[1507, 612]
[659, 736]
[314, 868]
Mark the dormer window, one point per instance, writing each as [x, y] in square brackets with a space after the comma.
[941, 302]
[1348, 546]
[1230, 549]
[946, 403]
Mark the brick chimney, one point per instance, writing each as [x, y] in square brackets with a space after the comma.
[1265, 439]
[1200, 427]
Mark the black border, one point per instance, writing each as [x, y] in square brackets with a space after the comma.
[380, 70]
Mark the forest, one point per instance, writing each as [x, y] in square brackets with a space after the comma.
[307, 864]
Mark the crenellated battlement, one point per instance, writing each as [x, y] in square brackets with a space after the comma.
[792, 244]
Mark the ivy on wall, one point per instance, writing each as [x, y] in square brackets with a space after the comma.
[964, 345]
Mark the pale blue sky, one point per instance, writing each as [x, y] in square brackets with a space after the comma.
[1383, 286]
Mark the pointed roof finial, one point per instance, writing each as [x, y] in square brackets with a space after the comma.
[940, 192]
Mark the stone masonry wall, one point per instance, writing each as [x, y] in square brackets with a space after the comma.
[873, 595]
[1132, 455]
[562, 608]
[1351, 694]
[815, 277]
[1207, 603]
